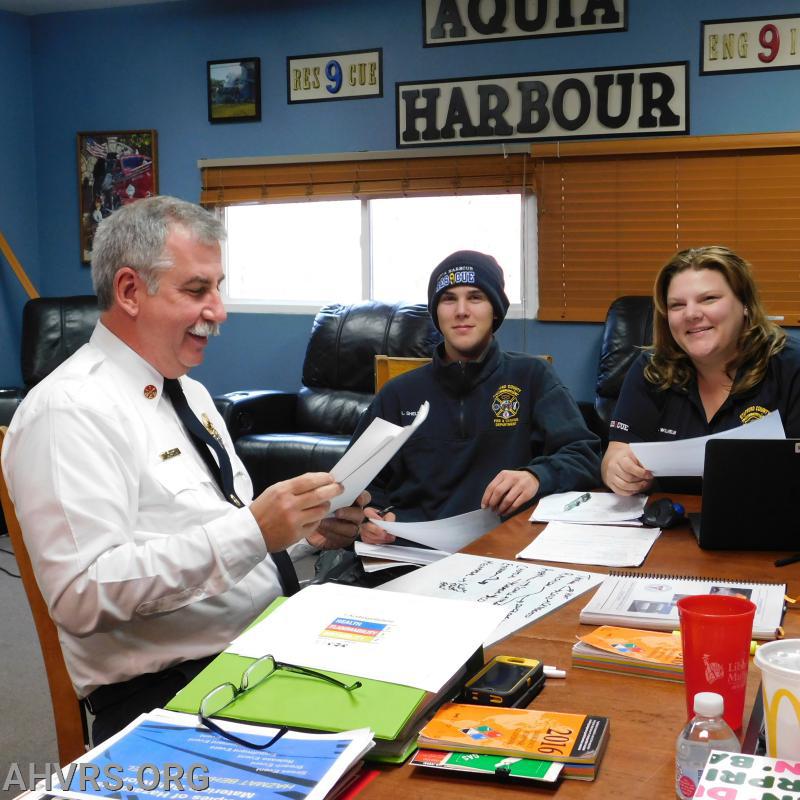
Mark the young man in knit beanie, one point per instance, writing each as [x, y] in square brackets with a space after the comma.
[502, 429]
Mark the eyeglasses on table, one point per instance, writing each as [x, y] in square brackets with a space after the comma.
[223, 695]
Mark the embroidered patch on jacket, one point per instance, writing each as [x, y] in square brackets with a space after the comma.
[505, 406]
[752, 413]
[209, 426]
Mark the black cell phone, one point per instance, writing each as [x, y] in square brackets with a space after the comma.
[503, 681]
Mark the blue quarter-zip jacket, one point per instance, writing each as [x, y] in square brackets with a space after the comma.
[507, 411]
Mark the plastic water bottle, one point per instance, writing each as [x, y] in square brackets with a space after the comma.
[706, 731]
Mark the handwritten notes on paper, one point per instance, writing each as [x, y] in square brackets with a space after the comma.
[525, 592]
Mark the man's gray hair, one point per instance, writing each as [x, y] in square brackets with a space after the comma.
[136, 235]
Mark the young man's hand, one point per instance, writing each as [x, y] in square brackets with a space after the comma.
[342, 528]
[509, 490]
[371, 532]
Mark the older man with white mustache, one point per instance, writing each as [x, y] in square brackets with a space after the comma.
[146, 541]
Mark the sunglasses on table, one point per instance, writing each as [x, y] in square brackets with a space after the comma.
[223, 695]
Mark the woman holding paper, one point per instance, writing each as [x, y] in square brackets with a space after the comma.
[716, 362]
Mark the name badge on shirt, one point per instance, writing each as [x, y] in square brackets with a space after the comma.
[167, 454]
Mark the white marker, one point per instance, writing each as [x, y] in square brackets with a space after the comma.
[554, 672]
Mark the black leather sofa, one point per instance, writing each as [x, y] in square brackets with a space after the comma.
[279, 435]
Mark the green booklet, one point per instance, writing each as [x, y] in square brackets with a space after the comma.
[498, 766]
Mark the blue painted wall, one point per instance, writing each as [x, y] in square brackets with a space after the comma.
[144, 67]
[18, 206]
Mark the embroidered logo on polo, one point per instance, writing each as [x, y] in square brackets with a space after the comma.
[505, 406]
[455, 276]
[752, 413]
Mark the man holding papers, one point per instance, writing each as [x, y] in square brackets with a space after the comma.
[717, 362]
[502, 429]
[147, 543]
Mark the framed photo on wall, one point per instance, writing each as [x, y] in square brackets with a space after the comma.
[114, 168]
[234, 90]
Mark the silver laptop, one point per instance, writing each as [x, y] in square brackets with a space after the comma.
[751, 495]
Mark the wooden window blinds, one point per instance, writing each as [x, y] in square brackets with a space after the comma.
[609, 219]
[378, 177]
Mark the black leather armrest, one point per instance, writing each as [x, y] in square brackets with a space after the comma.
[258, 411]
[9, 400]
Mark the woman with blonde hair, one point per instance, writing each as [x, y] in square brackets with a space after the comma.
[716, 362]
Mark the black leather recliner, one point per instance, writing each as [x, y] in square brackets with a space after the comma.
[628, 328]
[53, 328]
[279, 435]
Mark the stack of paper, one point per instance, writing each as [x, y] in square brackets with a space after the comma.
[606, 545]
[590, 508]
[440, 538]
[352, 634]
[591, 528]
[312, 766]
[375, 557]
[520, 733]
[629, 651]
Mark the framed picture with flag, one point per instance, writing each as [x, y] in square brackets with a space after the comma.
[114, 168]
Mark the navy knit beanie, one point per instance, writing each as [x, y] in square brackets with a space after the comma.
[469, 268]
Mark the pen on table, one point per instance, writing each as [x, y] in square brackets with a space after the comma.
[554, 672]
[782, 562]
[576, 502]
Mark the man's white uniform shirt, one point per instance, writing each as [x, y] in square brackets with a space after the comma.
[141, 560]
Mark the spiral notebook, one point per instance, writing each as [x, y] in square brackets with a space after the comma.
[644, 600]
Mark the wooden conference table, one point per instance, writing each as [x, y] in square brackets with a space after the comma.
[646, 715]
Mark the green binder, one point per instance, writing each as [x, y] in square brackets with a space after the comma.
[395, 713]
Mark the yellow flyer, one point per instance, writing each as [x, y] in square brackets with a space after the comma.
[651, 646]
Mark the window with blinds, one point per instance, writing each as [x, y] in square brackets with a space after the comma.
[228, 184]
[335, 229]
[609, 220]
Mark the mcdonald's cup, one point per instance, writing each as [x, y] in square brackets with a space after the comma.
[779, 662]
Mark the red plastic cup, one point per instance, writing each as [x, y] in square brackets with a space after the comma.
[716, 631]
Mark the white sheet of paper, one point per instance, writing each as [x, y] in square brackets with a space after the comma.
[523, 592]
[449, 534]
[400, 553]
[602, 508]
[369, 455]
[685, 457]
[404, 639]
[606, 545]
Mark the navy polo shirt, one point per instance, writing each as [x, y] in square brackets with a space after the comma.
[646, 414]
